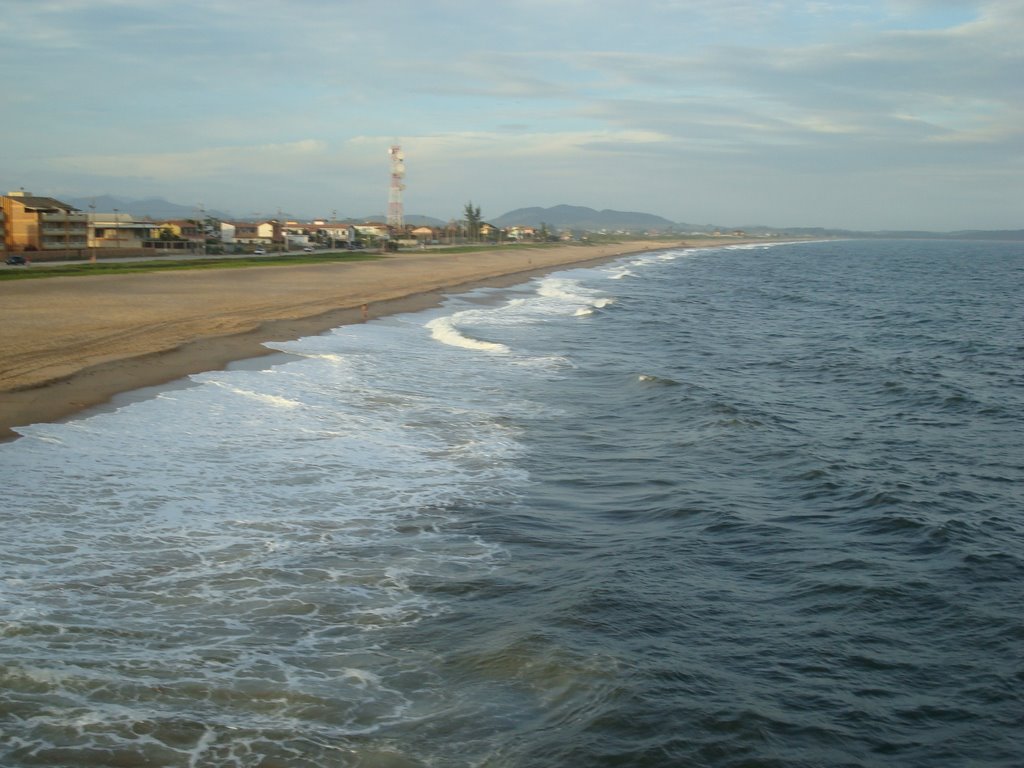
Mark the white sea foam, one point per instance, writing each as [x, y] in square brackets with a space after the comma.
[298, 509]
[262, 397]
[647, 378]
[443, 329]
[569, 295]
[305, 503]
[564, 289]
[752, 246]
[547, 362]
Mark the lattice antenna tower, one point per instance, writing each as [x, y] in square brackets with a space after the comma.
[396, 216]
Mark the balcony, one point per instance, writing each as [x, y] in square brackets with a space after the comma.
[53, 231]
[81, 218]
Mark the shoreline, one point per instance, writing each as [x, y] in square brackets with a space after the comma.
[69, 359]
[74, 344]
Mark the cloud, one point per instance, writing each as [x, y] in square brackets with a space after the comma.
[594, 99]
[199, 164]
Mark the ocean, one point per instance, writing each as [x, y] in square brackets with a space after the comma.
[747, 506]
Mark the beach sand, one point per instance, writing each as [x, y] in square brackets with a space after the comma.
[72, 343]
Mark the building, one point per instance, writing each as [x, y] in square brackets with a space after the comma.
[178, 235]
[296, 234]
[337, 232]
[228, 232]
[119, 230]
[426, 234]
[521, 233]
[373, 230]
[34, 223]
[249, 232]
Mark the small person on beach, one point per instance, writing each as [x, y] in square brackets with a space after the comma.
[366, 311]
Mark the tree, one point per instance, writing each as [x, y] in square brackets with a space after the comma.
[473, 220]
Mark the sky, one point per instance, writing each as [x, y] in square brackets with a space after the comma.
[859, 114]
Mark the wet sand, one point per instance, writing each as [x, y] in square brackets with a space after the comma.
[72, 343]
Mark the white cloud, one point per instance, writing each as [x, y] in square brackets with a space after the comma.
[293, 157]
[568, 98]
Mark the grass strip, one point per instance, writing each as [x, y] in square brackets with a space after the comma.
[42, 270]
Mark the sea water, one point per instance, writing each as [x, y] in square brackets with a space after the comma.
[748, 506]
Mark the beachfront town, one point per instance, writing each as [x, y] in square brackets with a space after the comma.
[43, 228]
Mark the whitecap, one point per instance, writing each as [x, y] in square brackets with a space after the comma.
[648, 378]
[569, 291]
[562, 288]
[263, 397]
[552, 362]
[443, 329]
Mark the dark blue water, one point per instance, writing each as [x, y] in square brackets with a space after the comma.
[784, 502]
[730, 507]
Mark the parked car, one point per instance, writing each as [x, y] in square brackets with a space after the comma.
[15, 260]
[308, 249]
[259, 251]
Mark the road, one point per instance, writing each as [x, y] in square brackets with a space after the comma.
[178, 256]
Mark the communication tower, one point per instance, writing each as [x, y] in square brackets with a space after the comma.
[396, 216]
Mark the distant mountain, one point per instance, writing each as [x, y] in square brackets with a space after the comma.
[558, 217]
[151, 207]
[579, 217]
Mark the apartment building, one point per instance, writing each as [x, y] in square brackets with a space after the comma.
[32, 223]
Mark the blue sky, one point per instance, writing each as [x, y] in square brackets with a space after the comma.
[866, 114]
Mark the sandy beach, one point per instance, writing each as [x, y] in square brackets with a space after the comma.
[71, 343]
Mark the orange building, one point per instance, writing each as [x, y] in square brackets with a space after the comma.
[42, 224]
